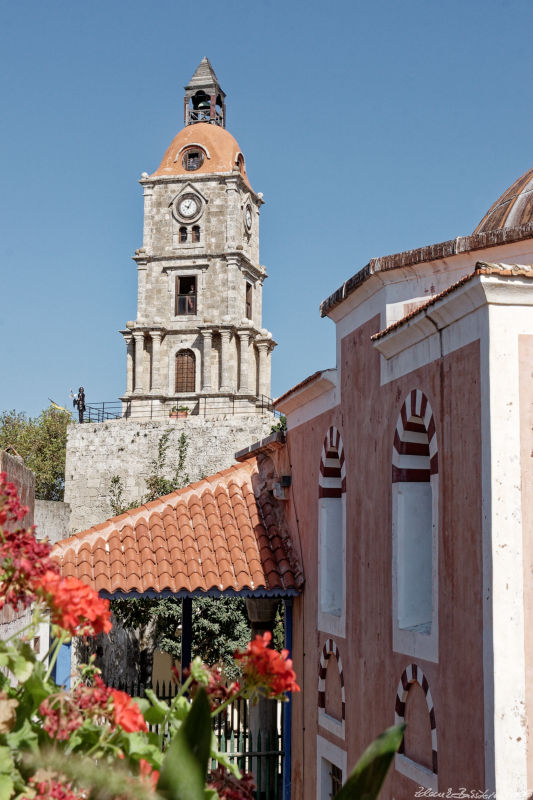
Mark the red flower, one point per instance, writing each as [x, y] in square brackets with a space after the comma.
[126, 713]
[148, 773]
[228, 787]
[266, 670]
[51, 789]
[217, 690]
[65, 712]
[74, 606]
[10, 508]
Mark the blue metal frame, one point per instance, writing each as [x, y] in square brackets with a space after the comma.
[287, 710]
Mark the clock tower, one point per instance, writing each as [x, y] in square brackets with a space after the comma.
[198, 339]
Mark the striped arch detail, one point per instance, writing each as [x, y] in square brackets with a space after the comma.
[330, 649]
[414, 453]
[413, 674]
[332, 479]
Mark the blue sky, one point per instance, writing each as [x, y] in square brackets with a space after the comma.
[370, 127]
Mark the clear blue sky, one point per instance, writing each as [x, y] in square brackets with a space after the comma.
[370, 127]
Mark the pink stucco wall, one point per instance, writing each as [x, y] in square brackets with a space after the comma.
[366, 419]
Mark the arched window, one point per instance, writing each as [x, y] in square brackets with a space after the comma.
[185, 371]
[414, 517]
[332, 535]
[183, 234]
[417, 756]
[196, 233]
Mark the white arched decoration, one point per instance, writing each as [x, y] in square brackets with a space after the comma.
[411, 769]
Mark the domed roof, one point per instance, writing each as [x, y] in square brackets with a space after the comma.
[220, 150]
[512, 209]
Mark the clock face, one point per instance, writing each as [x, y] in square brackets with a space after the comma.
[188, 206]
[248, 218]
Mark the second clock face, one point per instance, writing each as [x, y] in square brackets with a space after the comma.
[188, 206]
[248, 218]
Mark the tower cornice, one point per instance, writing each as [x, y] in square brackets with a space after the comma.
[222, 177]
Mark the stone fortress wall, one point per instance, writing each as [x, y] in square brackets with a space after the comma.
[126, 447]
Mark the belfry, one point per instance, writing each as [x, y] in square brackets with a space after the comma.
[198, 339]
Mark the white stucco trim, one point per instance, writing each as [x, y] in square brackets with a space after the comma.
[451, 323]
[314, 398]
[328, 752]
[422, 776]
[503, 601]
[334, 726]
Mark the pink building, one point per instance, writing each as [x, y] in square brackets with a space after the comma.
[412, 511]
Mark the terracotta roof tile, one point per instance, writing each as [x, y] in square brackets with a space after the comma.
[209, 536]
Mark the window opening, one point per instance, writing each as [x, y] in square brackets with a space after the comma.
[183, 235]
[193, 159]
[185, 371]
[196, 233]
[335, 775]
[248, 309]
[185, 295]
[414, 475]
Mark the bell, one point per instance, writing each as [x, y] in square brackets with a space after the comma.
[203, 104]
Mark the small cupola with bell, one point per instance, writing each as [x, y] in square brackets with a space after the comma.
[204, 99]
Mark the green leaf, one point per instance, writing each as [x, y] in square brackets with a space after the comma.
[6, 762]
[184, 767]
[21, 668]
[369, 773]
[154, 716]
[225, 761]
[6, 787]
[24, 738]
[156, 703]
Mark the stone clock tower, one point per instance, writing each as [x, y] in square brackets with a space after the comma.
[198, 339]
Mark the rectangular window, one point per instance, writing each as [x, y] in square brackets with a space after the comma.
[336, 779]
[248, 309]
[185, 295]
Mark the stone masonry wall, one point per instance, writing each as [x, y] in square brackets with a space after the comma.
[126, 447]
[52, 519]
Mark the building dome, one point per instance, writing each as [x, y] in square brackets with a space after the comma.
[202, 149]
[513, 209]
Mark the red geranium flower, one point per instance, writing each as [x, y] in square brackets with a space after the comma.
[74, 606]
[266, 670]
[127, 713]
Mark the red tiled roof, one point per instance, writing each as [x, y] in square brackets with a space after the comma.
[220, 534]
[481, 268]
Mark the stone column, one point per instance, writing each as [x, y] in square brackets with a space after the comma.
[244, 337]
[156, 360]
[207, 335]
[263, 346]
[233, 218]
[225, 334]
[142, 266]
[130, 345]
[139, 358]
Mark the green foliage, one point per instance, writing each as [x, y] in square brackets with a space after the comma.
[220, 626]
[366, 778]
[281, 425]
[156, 483]
[42, 443]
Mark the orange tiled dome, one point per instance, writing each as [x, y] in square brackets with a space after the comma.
[512, 209]
[221, 152]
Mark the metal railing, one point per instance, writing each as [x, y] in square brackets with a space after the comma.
[234, 405]
[262, 754]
